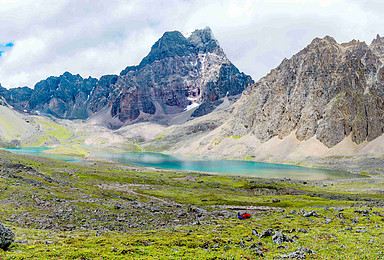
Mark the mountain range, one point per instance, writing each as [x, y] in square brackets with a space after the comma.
[179, 73]
[328, 99]
[327, 90]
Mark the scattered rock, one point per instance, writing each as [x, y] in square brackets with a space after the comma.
[302, 230]
[310, 214]
[221, 214]
[254, 232]
[279, 238]
[267, 233]
[349, 229]
[117, 206]
[378, 213]
[259, 251]
[364, 211]
[200, 212]
[361, 231]
[293, 255]
[22, 241]
[216, 246]
[196, 223]
[182, 214]
[253, 246]
[248, 238]
[306, 250]
[275, 200]
[298, 254]
[7, 237]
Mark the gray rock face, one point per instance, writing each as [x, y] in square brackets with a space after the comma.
[177, 72]
[327, 90]
[7, 237]
[65, 96]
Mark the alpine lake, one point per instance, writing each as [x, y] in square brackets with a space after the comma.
[181, 163]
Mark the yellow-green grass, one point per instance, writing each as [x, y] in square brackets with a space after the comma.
[214, 239]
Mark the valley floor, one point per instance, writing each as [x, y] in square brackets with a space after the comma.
[101, 210]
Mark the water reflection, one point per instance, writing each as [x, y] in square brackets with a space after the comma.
[164, 161]
[257, 169]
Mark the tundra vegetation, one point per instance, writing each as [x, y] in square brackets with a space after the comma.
[100, 210]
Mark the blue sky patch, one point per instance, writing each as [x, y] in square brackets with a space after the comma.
[5, 47]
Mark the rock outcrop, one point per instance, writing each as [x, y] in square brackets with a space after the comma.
[7, 237]
[178, 74]
[327, 90]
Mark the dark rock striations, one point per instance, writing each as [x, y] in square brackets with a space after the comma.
[327, 90]
[178, 74]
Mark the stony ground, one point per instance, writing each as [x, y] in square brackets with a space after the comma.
[99, 210]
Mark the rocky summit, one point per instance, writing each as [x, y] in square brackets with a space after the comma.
[177, 75]
[328, 91]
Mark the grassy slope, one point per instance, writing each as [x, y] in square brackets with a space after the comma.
[12, 126]
[216, 238]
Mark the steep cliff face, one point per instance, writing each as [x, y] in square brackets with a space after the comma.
[327, 90]
[65, 96]
[179, 73]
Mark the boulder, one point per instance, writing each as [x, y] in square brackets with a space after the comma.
[7, 237]
[279, 238]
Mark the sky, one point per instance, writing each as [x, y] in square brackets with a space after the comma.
[42, 38]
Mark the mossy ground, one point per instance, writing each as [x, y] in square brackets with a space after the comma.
[95, 188]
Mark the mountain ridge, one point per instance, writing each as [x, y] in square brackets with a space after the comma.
[327, 90]
[177, 72]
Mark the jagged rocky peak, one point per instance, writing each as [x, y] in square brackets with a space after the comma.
[204, 40]
[171, 44]
[325, 40]
[378, 40]
[174, 44]
[377, 45]
[178, 74]
[327, 91]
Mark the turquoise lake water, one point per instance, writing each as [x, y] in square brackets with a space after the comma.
[39, 151]
[164, 161]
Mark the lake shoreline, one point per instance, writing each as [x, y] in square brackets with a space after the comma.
[164, 161]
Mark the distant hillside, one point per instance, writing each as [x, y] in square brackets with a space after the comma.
[12, 125]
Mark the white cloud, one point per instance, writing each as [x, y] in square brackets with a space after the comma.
[95, 37]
